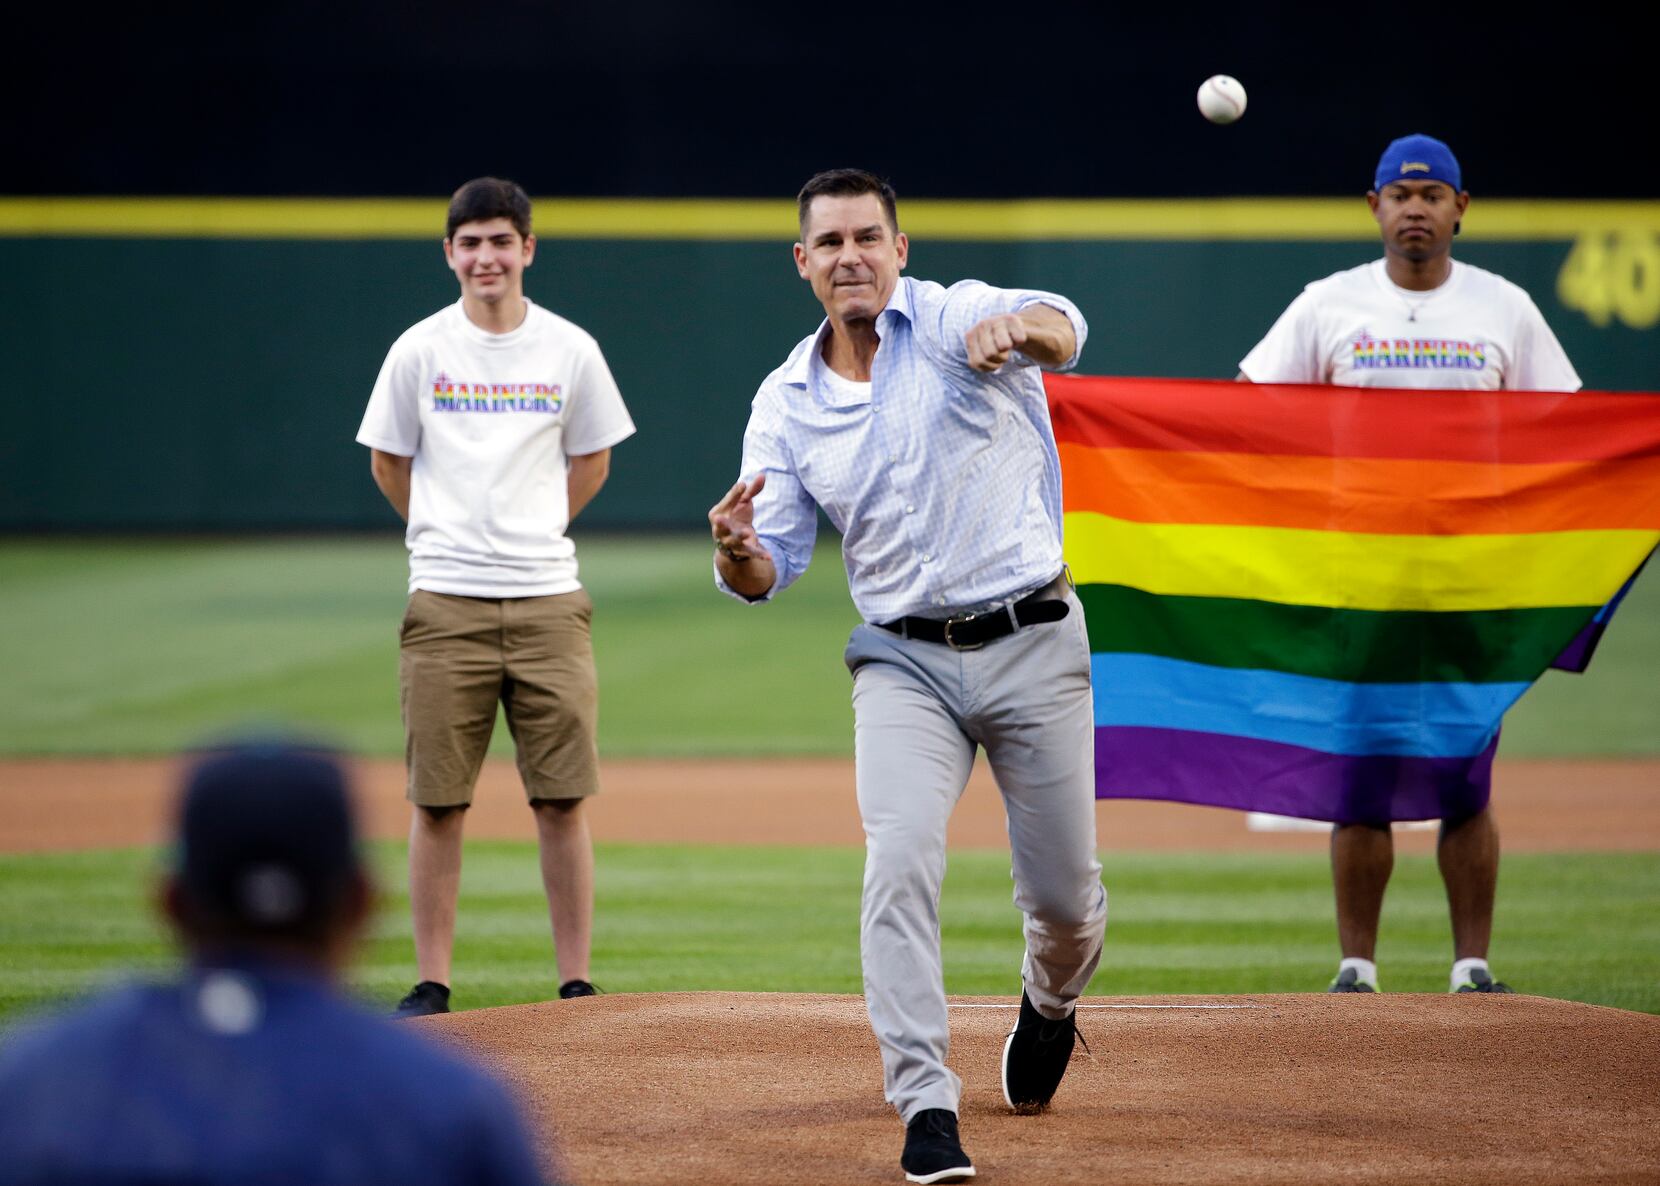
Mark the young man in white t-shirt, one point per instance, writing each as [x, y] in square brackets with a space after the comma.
[1416, 318]
[489, 428]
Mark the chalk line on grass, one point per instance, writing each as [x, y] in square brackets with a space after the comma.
[1016, 1005]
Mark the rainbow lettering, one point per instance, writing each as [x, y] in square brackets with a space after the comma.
[1369, 353]
[458, 395]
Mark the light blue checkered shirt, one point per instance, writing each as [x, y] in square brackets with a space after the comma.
[943, 481]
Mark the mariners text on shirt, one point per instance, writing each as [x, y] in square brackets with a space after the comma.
[1375, 353]
[458, 395]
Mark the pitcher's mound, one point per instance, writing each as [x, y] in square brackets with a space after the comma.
[775, 1087]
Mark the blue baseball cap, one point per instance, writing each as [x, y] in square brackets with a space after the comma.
[267, 839]
[1418, 158]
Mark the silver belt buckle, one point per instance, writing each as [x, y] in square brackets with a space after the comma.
[956, 620]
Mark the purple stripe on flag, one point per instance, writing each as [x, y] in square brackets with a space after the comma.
[1576, 656]
[1216, 770]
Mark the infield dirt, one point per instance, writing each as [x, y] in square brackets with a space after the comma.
[1561, 806]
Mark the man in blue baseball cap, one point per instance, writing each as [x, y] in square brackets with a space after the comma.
[1416, 318]
[1418, 198]
[252, 1067]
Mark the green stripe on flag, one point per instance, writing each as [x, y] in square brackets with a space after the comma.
[1358, 646]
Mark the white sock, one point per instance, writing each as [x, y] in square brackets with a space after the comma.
[1365, 970]
[1461, 971]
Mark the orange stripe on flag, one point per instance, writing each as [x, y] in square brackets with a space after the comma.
[1369, 495]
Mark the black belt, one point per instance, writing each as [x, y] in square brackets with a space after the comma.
[970, 632]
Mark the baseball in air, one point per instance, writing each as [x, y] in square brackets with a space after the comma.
[1221, 99]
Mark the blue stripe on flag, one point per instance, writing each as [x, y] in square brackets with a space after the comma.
[1430, 720]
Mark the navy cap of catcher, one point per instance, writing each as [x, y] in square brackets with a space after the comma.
[266, 837]
[1418, 158]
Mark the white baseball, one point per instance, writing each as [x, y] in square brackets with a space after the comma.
[1221, 99]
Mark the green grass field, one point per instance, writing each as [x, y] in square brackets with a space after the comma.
[1581, 927]
[147, 647]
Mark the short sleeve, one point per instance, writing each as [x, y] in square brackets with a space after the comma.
[392, 421]
[598, 418]
[1290, 353]
[1540, 363]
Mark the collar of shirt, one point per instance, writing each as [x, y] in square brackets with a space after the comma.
[799, 372]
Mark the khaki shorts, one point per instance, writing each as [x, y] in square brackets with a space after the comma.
[460, 656]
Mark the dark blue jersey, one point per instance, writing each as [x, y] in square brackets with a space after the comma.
[248, 1075]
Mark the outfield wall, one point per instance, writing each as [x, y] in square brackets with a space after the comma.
[203, 365]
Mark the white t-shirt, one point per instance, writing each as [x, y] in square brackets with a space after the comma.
[490, 420]
[1358, 328]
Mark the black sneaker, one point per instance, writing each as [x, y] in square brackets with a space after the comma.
[425, 999]
[932, 1151]
[1035, 1057]
[577, 988]
[1480, 980]
[1348, 980]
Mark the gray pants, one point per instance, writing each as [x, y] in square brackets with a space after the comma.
[920, 710]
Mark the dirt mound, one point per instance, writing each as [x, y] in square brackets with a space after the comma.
[771, 1087]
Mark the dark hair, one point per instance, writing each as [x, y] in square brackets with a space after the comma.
[484, 198]
[847, 183]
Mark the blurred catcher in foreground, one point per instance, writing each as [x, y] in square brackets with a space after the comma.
[251, 1066]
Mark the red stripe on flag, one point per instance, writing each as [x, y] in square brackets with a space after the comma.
[1495, 427]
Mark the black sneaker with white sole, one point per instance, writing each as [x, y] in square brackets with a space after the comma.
[933, 1152]
[425, 999]
[1035, 1057]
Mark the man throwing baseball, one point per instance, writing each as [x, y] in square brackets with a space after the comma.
[489, 429]
[1415, 318]
[915, 417]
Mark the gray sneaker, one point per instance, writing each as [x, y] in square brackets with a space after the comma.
[1480, 981]
[1348, 980]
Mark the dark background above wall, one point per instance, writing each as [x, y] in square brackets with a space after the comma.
[721, 99]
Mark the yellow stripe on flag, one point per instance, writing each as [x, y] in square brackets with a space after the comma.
[1376, 572]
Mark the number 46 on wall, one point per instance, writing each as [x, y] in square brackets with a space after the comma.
[1611, 274]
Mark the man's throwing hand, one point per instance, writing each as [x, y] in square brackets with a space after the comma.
[990, 342]
[732, 522]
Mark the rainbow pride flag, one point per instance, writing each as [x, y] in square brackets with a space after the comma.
[1320, 601]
